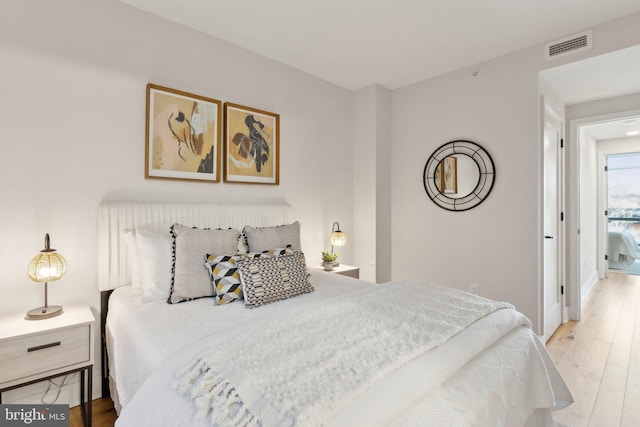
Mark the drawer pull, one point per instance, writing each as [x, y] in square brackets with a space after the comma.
[42, 347]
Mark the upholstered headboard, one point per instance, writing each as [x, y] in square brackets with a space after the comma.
[114, 269]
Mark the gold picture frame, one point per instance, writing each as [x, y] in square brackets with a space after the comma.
[183, 135]
[251, 145]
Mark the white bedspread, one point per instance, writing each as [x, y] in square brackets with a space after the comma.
[141, 336]
[300, 370]
[622, 248]
[444, 375]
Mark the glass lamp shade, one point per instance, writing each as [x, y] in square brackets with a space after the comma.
[47, 267]
[338, 238]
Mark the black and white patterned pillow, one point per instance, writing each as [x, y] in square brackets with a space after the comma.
[225, 276]
[267, 280]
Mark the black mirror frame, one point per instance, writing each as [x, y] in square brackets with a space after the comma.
[485, 182]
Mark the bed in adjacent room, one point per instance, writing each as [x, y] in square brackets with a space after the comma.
[279, 344]
[622, 249]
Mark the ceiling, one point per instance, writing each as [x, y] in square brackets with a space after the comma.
[394, 43]
[614, 129]
[604, 76]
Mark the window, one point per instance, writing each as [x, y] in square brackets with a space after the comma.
[623, 188]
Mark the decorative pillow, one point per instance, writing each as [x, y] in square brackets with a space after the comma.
[264, 238]
[154, 258]
[190, 245]
[225, 276]
[267, 280]
[243, 246]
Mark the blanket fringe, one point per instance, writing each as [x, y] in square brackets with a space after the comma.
[213, 394]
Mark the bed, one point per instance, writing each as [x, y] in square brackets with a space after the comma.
[330, 350]
[622, 249]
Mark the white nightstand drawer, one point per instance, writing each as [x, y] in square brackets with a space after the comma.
[38, 353]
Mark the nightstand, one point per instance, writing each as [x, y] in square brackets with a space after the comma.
[36, 350]
[343, 269]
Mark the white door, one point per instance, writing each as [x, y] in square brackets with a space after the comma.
[552, 297]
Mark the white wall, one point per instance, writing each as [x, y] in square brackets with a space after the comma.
[588, 214]
[496, 245]
[493, 245]
[72, 114]
[364, 182]
[372, 183]
[384, 185]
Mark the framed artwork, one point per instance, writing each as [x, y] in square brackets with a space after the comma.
[183, 135]
[251, 145]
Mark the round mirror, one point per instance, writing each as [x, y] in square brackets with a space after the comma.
[459, 175]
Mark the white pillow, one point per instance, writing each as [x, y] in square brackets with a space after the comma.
[132, 250]
[154, 258]
[261, 239]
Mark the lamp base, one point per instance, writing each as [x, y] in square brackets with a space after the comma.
[44, 312]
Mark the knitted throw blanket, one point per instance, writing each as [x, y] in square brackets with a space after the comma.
[300, 370]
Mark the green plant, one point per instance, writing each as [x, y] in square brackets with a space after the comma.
[328, 256]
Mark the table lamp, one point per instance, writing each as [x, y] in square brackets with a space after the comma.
[46, 267]
[338, 238]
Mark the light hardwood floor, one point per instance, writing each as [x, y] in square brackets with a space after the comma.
[599, 357]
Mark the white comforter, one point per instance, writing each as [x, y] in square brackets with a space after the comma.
[622, 248]
[494, 373]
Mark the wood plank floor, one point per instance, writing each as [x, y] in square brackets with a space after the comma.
[103, 414]
[599, 357]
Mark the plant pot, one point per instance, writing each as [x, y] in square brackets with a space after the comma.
[328, 265]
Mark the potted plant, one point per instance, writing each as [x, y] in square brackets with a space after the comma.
[327, 260]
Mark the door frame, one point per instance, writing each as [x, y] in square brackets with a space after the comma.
[603, 152]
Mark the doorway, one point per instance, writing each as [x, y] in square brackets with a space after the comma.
[622, 197]
[593, 139]
[583, 89]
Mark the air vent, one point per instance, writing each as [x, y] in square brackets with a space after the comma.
[568, 46]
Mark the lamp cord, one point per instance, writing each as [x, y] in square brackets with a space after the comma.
[66, 380]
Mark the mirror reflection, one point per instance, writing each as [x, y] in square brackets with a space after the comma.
[457, 176]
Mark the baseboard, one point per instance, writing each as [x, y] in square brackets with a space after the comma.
[588, 285]
[69, 393]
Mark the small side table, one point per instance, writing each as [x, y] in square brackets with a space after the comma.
[36, 350]
[343, 269]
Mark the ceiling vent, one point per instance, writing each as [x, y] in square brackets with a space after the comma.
[568, 46]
